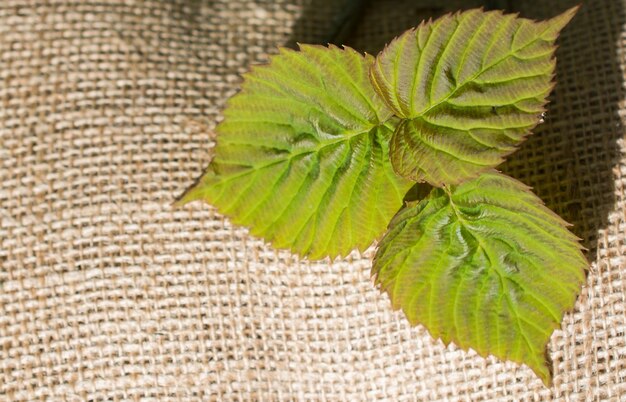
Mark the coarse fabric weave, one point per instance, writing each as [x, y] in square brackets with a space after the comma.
[107, 293]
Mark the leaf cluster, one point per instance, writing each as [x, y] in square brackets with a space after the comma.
[318, 150]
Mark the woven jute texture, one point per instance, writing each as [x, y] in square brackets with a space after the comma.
[107, 293]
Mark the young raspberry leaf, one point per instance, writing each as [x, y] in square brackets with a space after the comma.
[302, 155]
[484, 265]
[470, 86]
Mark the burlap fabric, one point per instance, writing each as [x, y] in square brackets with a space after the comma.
[107, 293]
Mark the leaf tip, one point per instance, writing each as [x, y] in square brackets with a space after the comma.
[191, 194]
[560, 21]
[571, 12]
[543, 368]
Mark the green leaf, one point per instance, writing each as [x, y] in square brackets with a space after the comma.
[302, 155]
[485, 265]
[470, 86]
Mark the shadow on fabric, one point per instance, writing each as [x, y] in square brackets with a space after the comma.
[570, 159]
[339, 20]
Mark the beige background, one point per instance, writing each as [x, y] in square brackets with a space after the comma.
[107, 293]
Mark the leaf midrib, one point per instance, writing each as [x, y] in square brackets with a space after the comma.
[323, 145]
[472, 79]
[502, 278]
[490, 256]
